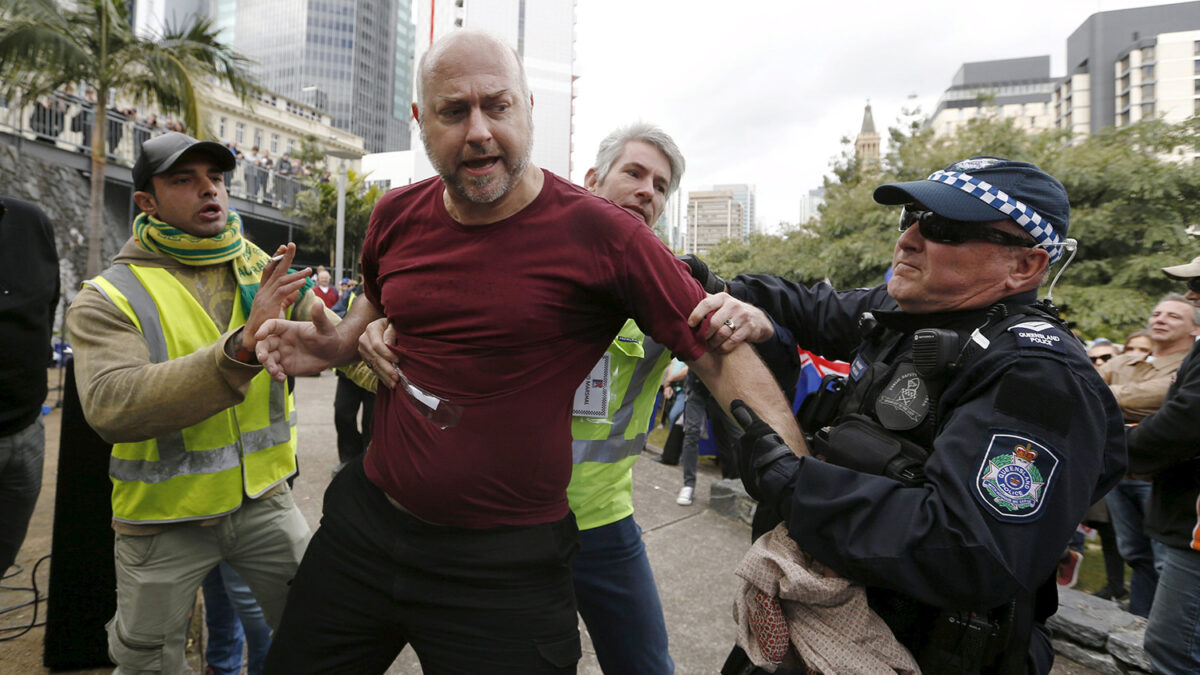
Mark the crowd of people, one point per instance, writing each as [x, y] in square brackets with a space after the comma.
[921, 505]
[1139, 371]
[257, 175]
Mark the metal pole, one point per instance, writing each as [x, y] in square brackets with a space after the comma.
[341, 223]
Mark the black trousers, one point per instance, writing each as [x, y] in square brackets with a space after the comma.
[348, 398]
[375, 578]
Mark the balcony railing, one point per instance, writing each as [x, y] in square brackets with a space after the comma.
[65, 121]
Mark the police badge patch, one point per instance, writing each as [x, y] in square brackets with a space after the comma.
[1014, 477]
[1041, 334]
[904, 403]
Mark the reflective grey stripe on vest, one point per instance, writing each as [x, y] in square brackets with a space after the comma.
[174, 458]
[199, 461]
[616, 447]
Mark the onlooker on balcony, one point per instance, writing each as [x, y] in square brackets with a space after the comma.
[48, 119]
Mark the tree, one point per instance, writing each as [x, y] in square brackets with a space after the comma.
[1132, 198]
[317, 206]
[45, 47]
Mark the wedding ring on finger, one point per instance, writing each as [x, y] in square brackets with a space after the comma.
[731, 325]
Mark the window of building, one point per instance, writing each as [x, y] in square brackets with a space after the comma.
[275, 143]
[258, 138]
[291, 146]
[1196, 47]
[221, 129]
[240, 134]
[1147, 54]
[1147, 92]
[1147, 110]
[1148, 72]
[1197, 67]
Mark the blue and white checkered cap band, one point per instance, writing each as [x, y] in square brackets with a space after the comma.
[1041, 230]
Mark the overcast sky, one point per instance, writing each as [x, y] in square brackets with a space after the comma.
[762, 92]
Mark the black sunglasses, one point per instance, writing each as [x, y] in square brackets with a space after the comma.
[1101, 358]
[954, 232]
[1193, 284]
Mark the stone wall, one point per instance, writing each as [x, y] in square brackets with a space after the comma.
[1087, 630]
[1097, 634]
[63, 193]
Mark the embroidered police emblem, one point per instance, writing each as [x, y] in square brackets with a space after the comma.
[974, 164]
[904, 402]
[1038, 334]
[1014, 476]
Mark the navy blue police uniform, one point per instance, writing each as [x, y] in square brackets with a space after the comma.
[995, 444]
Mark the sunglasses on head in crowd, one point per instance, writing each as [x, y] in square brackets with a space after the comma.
[1101, 358]
[1193, 284]
[954, 232]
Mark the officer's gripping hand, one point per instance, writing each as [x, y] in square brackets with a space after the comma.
[766, 463]
[700, 272]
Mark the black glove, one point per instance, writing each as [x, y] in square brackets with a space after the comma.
[766, 463]
[700, 272]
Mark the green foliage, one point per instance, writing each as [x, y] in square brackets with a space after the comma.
[1131, 202]
[317, 206]
[311, 154]
[46, 45]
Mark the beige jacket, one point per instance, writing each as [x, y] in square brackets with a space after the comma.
[124, 396]
[1140, 385]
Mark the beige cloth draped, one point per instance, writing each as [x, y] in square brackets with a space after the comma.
[790, 614]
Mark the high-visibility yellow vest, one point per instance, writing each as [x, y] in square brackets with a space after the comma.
[605, 449]
[203, 470]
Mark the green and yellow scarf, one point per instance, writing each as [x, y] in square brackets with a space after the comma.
[229, 246]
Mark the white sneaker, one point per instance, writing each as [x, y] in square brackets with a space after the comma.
[685, 496]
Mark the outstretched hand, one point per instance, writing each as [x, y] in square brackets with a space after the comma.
[731, 323]
[298, 347]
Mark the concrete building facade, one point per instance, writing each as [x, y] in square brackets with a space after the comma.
[1020, 89]
[1111, 53]
[1158, 78]
[810, 206]
[744, 195]
[713, 215]
[352, 59]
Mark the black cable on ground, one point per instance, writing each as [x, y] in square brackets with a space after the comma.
[37, 599]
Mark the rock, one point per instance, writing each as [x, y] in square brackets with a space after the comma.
[1097, 661]
[1080, 627]
[1127, 647]
[728, 498]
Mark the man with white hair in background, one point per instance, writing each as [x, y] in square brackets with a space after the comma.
[1140, 382]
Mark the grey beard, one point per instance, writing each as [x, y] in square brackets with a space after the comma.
[499, 185]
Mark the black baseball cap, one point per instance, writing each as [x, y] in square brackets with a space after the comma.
[162, 152]
[982, 189]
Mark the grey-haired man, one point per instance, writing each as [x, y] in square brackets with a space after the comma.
[971, 435]
[638, 167]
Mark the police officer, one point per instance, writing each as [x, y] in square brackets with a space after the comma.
[971, 435]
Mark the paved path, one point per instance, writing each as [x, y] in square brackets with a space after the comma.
[692, 550]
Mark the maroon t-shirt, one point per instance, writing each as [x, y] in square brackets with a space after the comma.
[505, 320]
